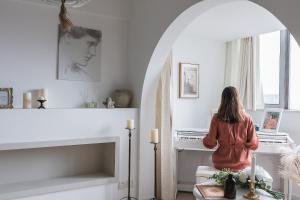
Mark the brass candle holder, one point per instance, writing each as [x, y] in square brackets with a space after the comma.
[251, 194]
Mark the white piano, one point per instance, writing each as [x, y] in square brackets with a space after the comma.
[191, 139]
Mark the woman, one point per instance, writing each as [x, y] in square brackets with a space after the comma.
[234, 131]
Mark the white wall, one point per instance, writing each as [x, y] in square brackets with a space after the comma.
[28, 46]
[195, 113]
[210, 55]
[29, 50]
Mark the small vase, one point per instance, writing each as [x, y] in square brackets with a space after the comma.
[229, 187]
[122, 98]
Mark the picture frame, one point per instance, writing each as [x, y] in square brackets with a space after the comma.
[6, 98]
[271, 120]
[79, 54]
[188, 80]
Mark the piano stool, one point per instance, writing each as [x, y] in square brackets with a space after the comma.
[203, 173]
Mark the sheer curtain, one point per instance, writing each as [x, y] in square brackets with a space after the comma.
[166, 153]
[242, 71]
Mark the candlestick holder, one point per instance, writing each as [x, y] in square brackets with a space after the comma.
[42, 101]
[155, 171]
[128, 197]
[251, 194]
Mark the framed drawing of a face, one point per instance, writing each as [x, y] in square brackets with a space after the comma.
[79, 53]
[271, 120]
[188, 80]
[6, 98]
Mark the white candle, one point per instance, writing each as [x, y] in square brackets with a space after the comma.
[154, 136]
[130, 124]
[43, 95]
[27, 100]
[253, 165]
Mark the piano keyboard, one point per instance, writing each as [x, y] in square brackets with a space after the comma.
[269, 142]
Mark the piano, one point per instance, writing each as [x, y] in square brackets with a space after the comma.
[270, 143]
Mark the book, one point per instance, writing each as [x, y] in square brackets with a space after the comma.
[211, 191]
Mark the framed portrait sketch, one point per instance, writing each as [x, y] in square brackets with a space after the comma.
[79, 53]
[271, 120]
[6, 98]
[188, 80]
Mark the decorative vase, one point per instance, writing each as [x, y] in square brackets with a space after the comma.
[229, 187]
[122, 98]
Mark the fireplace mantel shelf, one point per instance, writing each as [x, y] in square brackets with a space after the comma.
[55, 143]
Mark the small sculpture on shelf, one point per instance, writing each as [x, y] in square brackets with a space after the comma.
[109, 103]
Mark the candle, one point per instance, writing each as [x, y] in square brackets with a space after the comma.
[130, 124]
[41, 98]
[154, 136]
[43, 95]
[253, 165]
[27, 100]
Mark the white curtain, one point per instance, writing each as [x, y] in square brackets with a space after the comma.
[166, 164]
[242, 71]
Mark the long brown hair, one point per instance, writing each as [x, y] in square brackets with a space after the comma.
[231, 109]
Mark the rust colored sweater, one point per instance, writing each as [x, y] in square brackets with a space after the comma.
[234, 143]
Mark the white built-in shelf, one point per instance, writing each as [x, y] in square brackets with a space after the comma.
[34, 168]
[55, 143]
[30, 188]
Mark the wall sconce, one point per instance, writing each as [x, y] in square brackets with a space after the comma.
[68, 3]
[65, 23]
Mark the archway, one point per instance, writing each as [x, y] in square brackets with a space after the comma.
[154, 68]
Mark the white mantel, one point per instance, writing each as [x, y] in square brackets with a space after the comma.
[28, 125]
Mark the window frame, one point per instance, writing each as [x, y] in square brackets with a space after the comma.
[284, 60]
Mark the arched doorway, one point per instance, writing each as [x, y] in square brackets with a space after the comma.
[154, 68]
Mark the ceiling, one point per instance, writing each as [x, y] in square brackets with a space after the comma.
[234, 20]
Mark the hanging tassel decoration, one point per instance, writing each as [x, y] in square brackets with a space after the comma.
[65, 23]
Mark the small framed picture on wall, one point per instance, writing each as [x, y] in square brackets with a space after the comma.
[6, 98]
[188, 80]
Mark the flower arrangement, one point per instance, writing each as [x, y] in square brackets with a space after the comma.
[242, 178]
[290, 161]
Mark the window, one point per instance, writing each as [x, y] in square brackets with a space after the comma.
[294, 80]
[269, 61]
[279, 60]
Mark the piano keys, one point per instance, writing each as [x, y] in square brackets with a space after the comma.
[270, 143]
